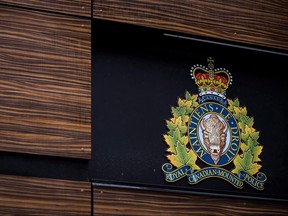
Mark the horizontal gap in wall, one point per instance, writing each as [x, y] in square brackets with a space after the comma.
[155, 188]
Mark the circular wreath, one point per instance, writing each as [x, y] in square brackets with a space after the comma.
[177, 138]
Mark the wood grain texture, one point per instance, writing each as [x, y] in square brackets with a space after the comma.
[45, 95]
[263, 23]
[41, 197]
[73, 7]
[112, 201]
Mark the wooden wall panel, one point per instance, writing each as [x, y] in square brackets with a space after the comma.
[262, 22]
[45, 96]
[112, 201]
[36, 196]
[73, 7]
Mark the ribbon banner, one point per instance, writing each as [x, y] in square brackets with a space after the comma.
[211, 97]
[209, 172]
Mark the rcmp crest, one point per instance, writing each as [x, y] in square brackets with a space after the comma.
[209, 133]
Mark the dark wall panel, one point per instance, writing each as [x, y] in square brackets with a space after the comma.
[113, 201]
[263, 23]
[45, 62]
[37, 196]
[73, 7]
[141, 82]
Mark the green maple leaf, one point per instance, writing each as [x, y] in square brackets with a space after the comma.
[184, 103]
[245, 135]
[245, 163]
[180, 112]
[188, 96]
[250, 144]
[171, 143]
[236, 102]
[188, 104]
[185, 119]
[256, 152]
[184, 140]
[183, 157]
[255, 149]
[176, 134]
[194, 103]
[240, 112]
[249, 132]
[255, 135]
[175, 112]
[244, 147]
[174, 123]
[232, 104]
[247, 121]
[172, 139]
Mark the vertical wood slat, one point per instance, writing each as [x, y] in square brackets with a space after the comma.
[36, 196]
[263, 23]
[71, 7]
[113, 201]
[45, 96]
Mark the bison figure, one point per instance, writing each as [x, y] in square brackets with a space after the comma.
[214, 133]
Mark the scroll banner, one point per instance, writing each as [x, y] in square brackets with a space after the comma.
[209, 172]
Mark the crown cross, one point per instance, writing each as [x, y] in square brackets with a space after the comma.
[210, 61]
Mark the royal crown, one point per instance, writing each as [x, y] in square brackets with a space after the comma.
[211, 81]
